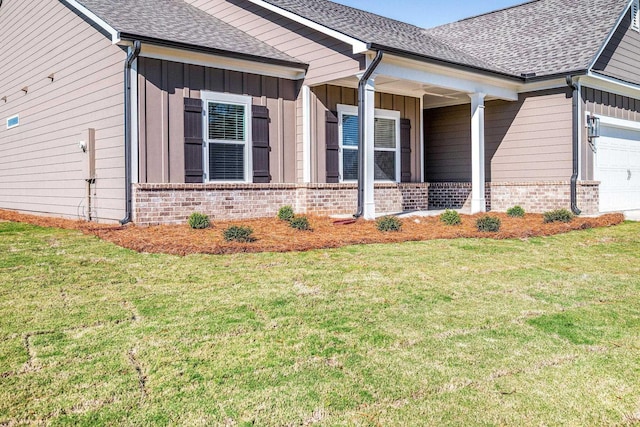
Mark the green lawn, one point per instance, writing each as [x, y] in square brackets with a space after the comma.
[461, 332]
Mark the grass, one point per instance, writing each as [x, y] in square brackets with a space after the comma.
[544, 331]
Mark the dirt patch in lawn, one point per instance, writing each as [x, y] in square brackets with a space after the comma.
[273, 235]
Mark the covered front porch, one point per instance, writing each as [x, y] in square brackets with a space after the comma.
[409, 89]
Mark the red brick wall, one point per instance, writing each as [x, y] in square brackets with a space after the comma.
[534, 197]
[173, 203]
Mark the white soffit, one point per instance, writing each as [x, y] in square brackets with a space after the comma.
[446, 77]
[218, 61]
[358, 45]
[115, 35]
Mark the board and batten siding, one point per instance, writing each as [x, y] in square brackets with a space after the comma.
[40, 160]
[620, 58]
[525, 140]
[327, 97]
[328, 59]
[607, 104]
[162, 87]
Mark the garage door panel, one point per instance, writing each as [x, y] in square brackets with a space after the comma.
[618, 168]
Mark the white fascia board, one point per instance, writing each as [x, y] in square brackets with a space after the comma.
[217, 61]
[429, 74]
[610, 35]
[609, 84]
[358, 45]
[115, 35]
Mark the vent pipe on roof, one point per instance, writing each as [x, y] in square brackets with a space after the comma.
[575, 144]
[133, 54]
[361, 125]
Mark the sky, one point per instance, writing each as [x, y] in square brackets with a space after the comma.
[429, 13]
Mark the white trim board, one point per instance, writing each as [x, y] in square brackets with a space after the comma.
[610, 35]
[115, 35]
[608, 84]
[617, 123]
[357, 45]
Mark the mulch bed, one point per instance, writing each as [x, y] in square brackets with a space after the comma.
[273, 235]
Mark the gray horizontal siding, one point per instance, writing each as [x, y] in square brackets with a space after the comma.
[40, 163]
[620, 58]
[526, 140]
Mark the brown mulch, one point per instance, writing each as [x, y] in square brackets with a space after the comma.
[273, 235]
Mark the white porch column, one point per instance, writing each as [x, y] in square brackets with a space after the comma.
[478, 202]
[369, 169]
[306, 134]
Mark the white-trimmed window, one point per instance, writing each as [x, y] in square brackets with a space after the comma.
[227, 133]
[386, 144]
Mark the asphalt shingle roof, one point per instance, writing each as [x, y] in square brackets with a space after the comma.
[379, 30]
[542, 36]
[176, 21]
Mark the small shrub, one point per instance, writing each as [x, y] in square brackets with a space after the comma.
[199, 221]
[285, 213]
[300, 223]
[515, 212]
[237, 233]
[388, 223]
[451, 217]
[558, 215]
[488, 223]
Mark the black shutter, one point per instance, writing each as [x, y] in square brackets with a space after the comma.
[333, 148]
[260, 144]
[405, 150]
[193, 141]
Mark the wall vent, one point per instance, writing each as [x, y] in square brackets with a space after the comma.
[635, 15]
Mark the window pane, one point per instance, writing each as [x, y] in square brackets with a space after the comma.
[385, 165]
[349, 164]
[349, 130]
[385, 133]
[226, 162]
[226, 122]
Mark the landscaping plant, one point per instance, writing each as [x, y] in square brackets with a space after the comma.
[451, 217]
[558, 215]
[299, 223]
[238, 233]
[199, 221]
[488, 223]
[286, 213]
[388, 223]
[515, 212]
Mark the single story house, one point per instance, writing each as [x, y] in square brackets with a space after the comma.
[149, 110]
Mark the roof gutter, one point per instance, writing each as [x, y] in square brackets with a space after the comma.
[575, 143]
[133, 54]
[361, 129]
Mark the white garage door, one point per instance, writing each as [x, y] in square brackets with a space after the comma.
[618, 168]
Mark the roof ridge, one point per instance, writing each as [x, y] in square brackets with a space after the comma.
[515, 6]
